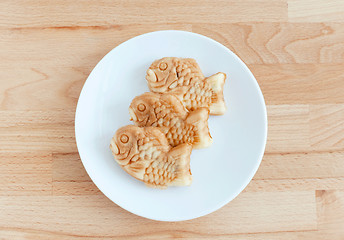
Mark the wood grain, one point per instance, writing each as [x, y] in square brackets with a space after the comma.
[330, 203]
[301, 165]
[300, 184]
[300, 83]
[327, 126]
[25, 174]
[288, 129]
[68, 213]
[108, 12]
[295, 49]
[270, 43]
[37, 131]
[315, 11]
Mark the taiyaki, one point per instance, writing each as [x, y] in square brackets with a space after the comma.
[168, 113]
[145, 154]
[184, 77]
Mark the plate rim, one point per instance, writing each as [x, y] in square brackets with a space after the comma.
[220, 204]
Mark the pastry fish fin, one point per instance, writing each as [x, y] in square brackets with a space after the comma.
[217, 81]
[164, 129]
[179, 92]
[180, 155]
[175, 100]
[199, 120]
[135, 169]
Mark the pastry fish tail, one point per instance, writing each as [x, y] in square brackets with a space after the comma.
[180, 156]
[198, 119]
[217, 81]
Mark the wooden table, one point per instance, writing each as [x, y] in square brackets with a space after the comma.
[294, 48]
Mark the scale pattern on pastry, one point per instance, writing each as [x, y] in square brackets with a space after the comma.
[168, 113]
[183, 76]
[145, 154]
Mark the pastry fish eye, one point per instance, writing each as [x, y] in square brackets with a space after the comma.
[163, 66]
[124, 138]
[141, 107]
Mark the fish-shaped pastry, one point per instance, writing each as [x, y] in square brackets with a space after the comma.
[184, 77]
[168, 113]
[145, 154]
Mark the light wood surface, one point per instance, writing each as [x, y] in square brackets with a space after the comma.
[294, 48]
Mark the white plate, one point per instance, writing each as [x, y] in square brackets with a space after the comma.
[220, 172]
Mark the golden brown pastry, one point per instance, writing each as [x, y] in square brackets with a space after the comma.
[168, 113]
[184, 77]
[145, 154]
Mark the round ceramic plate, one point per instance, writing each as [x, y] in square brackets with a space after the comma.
[219, 173]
